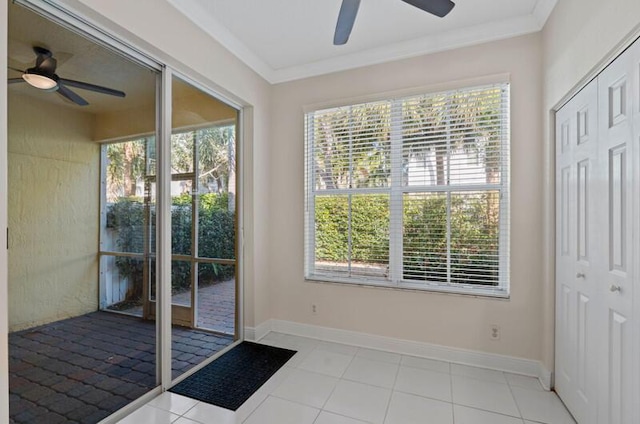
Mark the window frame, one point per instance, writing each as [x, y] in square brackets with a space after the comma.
[396, 191]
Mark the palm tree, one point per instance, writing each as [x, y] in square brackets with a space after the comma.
[125, 168]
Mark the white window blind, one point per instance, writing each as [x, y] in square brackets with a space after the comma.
[411, 192]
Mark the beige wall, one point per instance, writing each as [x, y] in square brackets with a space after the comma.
[53, 213]
[578, 38]
[162, 33]
[449, 320]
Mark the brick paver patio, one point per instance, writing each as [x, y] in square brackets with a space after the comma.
[216, 306]
[82, 369]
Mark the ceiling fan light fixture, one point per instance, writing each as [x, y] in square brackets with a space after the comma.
[42, 82]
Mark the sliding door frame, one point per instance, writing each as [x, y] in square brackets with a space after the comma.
[4, 232]
[71, 19]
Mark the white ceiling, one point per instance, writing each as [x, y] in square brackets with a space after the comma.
[284, 40]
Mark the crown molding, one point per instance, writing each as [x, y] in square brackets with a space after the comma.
[417, 47]
[209, 24]
[492, 31]
[543, 10]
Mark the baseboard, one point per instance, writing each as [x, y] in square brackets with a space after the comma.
[408, 347]
[253, 334]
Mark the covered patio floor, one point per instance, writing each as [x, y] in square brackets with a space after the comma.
[216, 306]
[82, 369]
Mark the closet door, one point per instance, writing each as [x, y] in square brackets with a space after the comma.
[577, 256]
[635, 162]
[614, 173]
[634, 150]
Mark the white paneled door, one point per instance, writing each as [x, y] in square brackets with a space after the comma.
[615, 288]
[597, 252]
[577, 252]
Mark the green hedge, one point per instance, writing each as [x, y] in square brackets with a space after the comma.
[474, 235]
[216, 228]
[369, 228]
[473, 244]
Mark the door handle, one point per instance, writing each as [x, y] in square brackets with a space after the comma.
[581, 275]
[615, 288]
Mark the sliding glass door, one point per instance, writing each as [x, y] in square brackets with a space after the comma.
[92, 275]
[203, 221]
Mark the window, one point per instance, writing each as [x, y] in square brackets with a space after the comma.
[411, 192]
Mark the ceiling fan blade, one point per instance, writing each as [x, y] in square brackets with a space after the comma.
[440, 8]
[20, 53]
[346, 19]
[48, 65]
[92, 87]
[68, 94]
[62, 57]
[14, 80]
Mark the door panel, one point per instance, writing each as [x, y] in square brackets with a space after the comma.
[615, 288]
[578, 244]
[565, 261]
[617, 400]
[583, 187]
[565, 206]
[618, 235]
[583, 348]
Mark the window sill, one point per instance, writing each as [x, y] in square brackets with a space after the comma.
[479, 292]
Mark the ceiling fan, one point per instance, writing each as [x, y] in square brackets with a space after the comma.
[43, 76]
[349, 10]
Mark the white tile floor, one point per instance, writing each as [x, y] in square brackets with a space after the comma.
[328, 383]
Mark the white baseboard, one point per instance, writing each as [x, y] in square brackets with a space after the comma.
[253, 334]
[250, 334]
[407, 347]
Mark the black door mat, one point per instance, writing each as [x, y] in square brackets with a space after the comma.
[232, 378]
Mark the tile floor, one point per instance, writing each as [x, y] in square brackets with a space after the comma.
[328, 383]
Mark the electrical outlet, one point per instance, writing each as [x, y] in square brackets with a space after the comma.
[495, 332]
[314, 309]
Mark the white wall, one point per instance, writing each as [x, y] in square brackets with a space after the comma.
[450, 320]
[158, 28]
[54, 169]
[578, 38]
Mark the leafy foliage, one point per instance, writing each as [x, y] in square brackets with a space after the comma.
[125, 167]
[216, 226]
[210, 153]
[473, 241]
[369, 228]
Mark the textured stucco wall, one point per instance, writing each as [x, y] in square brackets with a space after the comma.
[53, 212]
